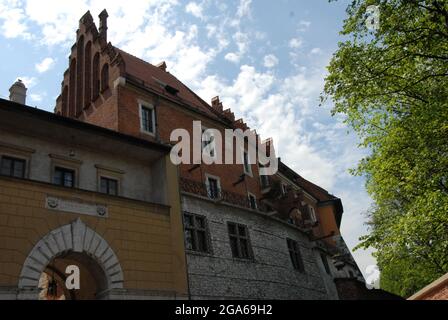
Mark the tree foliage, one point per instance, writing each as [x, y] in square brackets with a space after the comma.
[391, 85]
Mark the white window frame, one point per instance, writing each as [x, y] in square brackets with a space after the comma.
[207, 185]
[145, 105]
[249, 194]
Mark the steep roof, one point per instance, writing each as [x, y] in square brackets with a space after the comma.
[322, 195]
[153, 77]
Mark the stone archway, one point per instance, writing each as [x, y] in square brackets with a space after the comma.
[75, 237]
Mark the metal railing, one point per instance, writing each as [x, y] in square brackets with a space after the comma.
[219, 195]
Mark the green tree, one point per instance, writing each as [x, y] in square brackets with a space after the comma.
[391, 85]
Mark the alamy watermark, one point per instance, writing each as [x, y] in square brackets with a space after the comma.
[73, 280]
[206, 146]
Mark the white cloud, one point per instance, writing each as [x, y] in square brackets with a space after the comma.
[270, 61]
[36, 97]
[195, 9]
[295, 43]
[242, 41]
[271, 105]
[28, 81]
[45, 65]
[244, 8]
[232, 57]
[316, 51]
[303, 25]
[57, 20]
[13, 20]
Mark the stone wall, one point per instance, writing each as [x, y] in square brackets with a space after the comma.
[270, 275]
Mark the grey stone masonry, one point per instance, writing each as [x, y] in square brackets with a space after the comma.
[269, 275]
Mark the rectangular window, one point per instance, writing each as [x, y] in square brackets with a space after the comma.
[239, 241]
[295, 255]
[252, 201]
[109, 186]
[246, 162]
[13, 167]
[148, 119]
[325, 262]
[213, 188]
[64, 177]
[196, 236]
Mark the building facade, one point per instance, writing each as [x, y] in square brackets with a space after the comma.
[240, 235]
[77, 194]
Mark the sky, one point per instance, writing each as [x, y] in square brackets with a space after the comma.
[265, 59]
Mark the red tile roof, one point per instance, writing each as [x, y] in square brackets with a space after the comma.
[149, 74]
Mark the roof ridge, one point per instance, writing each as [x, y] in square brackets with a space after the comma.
[133, 56]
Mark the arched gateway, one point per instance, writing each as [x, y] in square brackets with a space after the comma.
[71, 244]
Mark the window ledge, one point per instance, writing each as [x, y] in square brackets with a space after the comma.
[199, 253]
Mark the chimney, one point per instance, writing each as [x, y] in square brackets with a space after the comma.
[103, 24]
[17, 92]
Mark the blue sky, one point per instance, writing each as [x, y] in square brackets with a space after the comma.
[265, 59]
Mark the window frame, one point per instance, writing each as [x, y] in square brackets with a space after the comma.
[295, 255]
[67, 163]
[108, 180]
[239, 238]
[14, 160]
[111, 174]
[18, 152]
[64, 170]
[195, 229]
[147, 106]
[218, 184]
